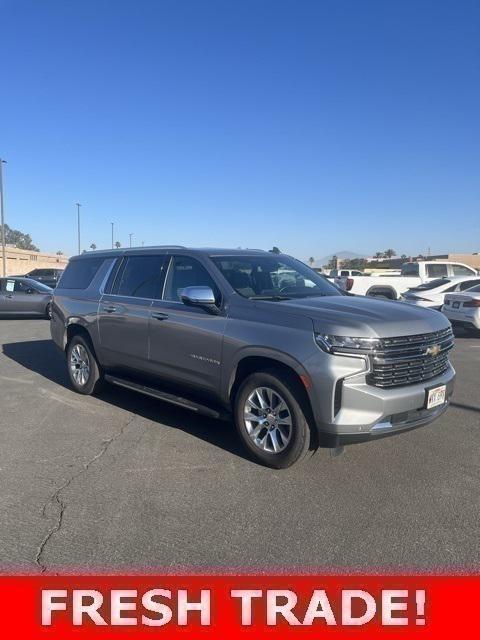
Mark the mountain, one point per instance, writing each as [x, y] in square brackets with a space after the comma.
[345, 255]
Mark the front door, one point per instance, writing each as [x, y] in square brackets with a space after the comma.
[186, 342]
[124, 312]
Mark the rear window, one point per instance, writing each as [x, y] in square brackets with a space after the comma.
[80, 273]
[475, 289]
[433, 284]
[410, 269]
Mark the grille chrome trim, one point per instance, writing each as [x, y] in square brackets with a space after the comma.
[404, 360]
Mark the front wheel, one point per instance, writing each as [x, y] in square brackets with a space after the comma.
[270, 417]
[83, 369]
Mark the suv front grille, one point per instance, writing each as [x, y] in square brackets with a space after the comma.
[410, 359]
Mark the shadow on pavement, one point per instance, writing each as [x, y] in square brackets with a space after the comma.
[44, 358]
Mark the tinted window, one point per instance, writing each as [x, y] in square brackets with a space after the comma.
[433, 284]
[460, 270]
[187, 272]
[80, 273]
[21, 287]
[474, 289]
[436, 270]
[140, 277]
[344, 273]
[410, 269]
[39, 286]
[469, 284]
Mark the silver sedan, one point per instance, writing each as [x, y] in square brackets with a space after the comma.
[24, 297]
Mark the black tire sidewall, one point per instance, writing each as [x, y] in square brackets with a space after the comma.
[95, 375]
[300, 440]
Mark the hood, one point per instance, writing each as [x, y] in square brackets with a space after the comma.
[364, 317]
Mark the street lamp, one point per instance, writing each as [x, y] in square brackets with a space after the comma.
[78, 225]
[112, 233]
[130, 236]
[4, 254]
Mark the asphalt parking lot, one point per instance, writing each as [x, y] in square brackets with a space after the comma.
[122, 481]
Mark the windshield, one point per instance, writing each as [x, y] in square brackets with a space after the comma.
[433, 284]
[38, 286]
[273, 278]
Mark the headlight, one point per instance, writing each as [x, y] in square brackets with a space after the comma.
[346, 344]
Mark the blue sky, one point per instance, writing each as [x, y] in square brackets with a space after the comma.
[316, 126]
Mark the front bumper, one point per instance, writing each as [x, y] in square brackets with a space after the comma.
[360, 412]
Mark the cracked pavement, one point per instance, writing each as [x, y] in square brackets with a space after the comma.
[123, 482]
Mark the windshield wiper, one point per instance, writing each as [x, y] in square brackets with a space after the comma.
[273, 297]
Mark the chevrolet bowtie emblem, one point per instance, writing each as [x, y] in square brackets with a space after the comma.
[434, 350]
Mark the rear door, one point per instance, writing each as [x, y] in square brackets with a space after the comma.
[124, 311]
[186, 342]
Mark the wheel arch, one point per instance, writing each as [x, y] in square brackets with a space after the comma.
[255, 361]
[382, 290]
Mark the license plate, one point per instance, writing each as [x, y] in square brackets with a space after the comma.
[436, 396]
[456, 305]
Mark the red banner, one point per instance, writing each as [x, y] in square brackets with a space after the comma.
[245, 606]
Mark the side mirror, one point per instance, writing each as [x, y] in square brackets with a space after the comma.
[200, 297]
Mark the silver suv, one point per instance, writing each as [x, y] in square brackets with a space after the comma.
[253, 335]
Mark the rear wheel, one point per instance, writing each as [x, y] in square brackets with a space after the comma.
[83, 369]
[271, 419]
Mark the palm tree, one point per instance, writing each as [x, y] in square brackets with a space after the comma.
[117, 244]
[311, 261]
[93, 246]
[389, 253]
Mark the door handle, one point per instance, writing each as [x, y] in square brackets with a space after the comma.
[159, 316]
[110, 309]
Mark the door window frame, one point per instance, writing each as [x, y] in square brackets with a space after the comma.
[171, 257]
[115, 277]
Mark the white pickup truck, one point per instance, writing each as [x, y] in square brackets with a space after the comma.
[413, 274]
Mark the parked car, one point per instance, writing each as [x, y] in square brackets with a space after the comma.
[431, 294]
[413, 275]
[296, 363]
[21, 296]
[463, 309]
[50, 277]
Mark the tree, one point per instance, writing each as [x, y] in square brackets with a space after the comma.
[311, 261]
[389, 253]
[275, 250]
[93, 246]
[403, 256]
[332, 263]
[19, 239]
[59, 253]
[379, 255]
[117, 244]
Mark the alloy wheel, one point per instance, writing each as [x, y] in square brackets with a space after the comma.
[268, 420]
[80, 364]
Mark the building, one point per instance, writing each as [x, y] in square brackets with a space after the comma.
[21, 261]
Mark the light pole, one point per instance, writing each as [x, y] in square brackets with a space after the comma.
[78, 225]
[130, 235]
[4, 254]
[112, 233]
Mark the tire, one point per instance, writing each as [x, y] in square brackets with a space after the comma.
[80, 357]
[287, 430]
